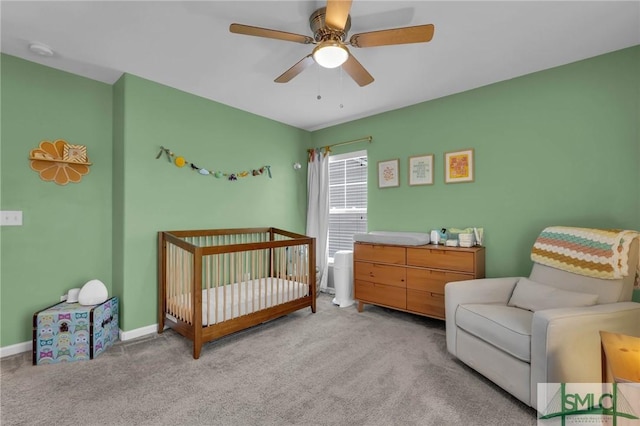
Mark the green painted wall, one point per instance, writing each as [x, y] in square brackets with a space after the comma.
[156, 195]
[65, 239]
[558, 147]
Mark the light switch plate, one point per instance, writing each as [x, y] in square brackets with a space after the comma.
[11, 218]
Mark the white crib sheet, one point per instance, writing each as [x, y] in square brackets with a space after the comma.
[234, 300]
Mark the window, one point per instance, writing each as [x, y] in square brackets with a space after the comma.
[347, 199]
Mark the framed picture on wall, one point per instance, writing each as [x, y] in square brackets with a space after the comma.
[388, 176]
[75, 153]
[458, 166]
[421, 170]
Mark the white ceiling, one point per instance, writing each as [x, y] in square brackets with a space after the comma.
[187, 45]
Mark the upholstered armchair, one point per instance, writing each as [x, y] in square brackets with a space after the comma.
[519, 332]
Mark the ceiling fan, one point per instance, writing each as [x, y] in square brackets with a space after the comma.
[330, 26]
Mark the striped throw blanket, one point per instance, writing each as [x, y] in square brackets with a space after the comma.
[600, 253]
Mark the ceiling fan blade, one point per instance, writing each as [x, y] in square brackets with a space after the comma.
[357, 71]
[417, 34]
[264, 32]
[337, 13]
[300, 66]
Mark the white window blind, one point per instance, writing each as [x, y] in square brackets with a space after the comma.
[347, 199]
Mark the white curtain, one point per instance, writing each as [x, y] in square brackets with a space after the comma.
[318, 210]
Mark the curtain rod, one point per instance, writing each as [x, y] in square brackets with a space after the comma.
[366, 138]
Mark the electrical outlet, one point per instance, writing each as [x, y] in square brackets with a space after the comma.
[11, 218]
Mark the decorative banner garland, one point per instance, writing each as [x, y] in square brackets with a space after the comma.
[181, 162]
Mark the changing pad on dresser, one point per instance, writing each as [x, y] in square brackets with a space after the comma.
[397, 238]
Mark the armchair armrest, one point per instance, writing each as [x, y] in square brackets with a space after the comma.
[484, 290]
[565, 343]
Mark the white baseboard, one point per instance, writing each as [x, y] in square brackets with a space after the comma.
[138, 332]
[16, 349]
[124, 335]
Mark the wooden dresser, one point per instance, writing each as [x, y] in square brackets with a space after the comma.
[411, 278]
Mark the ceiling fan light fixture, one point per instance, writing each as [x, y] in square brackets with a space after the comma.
[330, 54]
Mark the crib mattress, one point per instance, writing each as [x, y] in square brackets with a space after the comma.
[396, 238]
[233, 300]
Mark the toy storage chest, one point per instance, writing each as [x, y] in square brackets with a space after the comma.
[73, 332]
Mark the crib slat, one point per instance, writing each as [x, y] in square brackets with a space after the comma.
[260, 273]
[186, 280]
[185, 302]
[224, 287]
[253, 268]
[176, 284]
[282, 275]
[216, 281]
[298, 267]
[177, 288]
[244, 284]
[207, 285]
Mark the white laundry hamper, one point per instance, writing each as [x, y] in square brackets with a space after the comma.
[343, 278]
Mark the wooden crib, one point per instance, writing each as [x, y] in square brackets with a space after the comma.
[215, 282]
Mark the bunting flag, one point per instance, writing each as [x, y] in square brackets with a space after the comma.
[180, 161]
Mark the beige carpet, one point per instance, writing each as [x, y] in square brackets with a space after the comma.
[335, 367]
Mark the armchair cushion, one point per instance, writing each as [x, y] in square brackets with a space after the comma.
[534, 296]
[504, 327]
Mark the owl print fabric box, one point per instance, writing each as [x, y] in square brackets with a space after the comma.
[73, 332]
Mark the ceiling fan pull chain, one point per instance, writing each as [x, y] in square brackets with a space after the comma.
[341, 91]
[318, 97]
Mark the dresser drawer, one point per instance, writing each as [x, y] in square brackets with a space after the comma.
[380, 274]
[463, 261]
[431, 280]
[425, 302]
[379, 253]
[381, 294]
